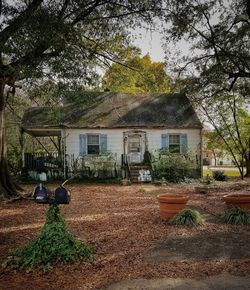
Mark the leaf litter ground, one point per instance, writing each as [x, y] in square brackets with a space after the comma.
[131, 241]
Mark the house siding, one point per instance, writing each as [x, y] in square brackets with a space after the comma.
[115, 139]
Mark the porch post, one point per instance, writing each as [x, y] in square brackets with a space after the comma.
[21, 141]
[201, 155]
[63, 141]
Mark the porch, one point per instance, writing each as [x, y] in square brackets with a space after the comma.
[56, 166]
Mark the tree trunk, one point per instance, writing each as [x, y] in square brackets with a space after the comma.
[247, 167]
[247, 159]
[8, 188]
[215, 160]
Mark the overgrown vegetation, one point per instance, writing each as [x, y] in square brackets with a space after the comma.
[237, 216]
[173, 167]
[187, 217]
[55, 244]
[98, 167]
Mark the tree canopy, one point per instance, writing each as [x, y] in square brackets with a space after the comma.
[64, 40]
[218, 34]
[138, 75]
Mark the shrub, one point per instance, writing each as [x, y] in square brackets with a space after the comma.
[237, 216]
[173, 167]
[147, 158]
[187, 217]
[219, 175]
[95, 167]
[54, 244]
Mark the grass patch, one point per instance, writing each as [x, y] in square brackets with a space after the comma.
[187, 217]
[236, 216]
[55, 244]
[229, 173]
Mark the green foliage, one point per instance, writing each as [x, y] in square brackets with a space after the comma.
[227, 114]
[187, 217]
[207, 180]
[97, 167]
[217, 66]
[55, 244]
[219, 53]
[220, 175]
[237, 216]
[147, 158]
[139, 75]
[172, 167]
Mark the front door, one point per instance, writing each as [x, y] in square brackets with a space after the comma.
[135, 147]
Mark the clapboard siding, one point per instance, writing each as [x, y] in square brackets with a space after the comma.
[115, 139]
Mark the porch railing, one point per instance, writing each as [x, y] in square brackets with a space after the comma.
[52, 160]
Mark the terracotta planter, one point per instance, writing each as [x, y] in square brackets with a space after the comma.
[237, 200]
[171, 204]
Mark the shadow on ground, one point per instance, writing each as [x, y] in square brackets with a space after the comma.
[202, 246]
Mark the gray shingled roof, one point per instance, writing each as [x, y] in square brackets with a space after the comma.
[116, 110]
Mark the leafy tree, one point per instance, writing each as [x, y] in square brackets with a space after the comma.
[218, 34]
[213, 142]
[61, 39]
[218, 62]
[230, 120]
[138, 75]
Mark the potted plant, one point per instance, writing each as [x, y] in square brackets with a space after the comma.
[237, 201]
[171, 204]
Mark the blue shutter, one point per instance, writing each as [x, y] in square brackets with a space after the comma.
[184, 144]
[82, 144]
[165, 141]
[103, 144]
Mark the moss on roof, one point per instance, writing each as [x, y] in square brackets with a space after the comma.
[116, 110]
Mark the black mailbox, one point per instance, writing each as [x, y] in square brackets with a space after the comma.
[62, 195]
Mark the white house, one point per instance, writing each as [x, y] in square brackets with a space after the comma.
[123, 124]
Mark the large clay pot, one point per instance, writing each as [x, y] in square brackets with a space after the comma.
[237, 200]
[171, 204]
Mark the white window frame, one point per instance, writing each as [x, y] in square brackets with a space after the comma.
[174, 144]
[92, 134]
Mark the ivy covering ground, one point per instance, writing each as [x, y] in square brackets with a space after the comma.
[55, 244]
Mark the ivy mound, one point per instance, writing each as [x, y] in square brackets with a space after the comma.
[187, 217]
[237, 216]
[55, 244]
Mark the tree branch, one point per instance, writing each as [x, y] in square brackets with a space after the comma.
[87, 12]
[17, 22]
[248, 8]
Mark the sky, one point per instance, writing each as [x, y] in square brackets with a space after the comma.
[150, 42]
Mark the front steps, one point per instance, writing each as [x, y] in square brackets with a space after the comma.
[140, 173]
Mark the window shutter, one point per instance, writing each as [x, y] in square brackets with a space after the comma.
[184, 144]
[103, 143]
[82, 144]
[165, 141]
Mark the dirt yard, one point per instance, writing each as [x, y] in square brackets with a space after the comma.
[130, 239]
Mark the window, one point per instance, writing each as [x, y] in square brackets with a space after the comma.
[93, 144]
[174, 144]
